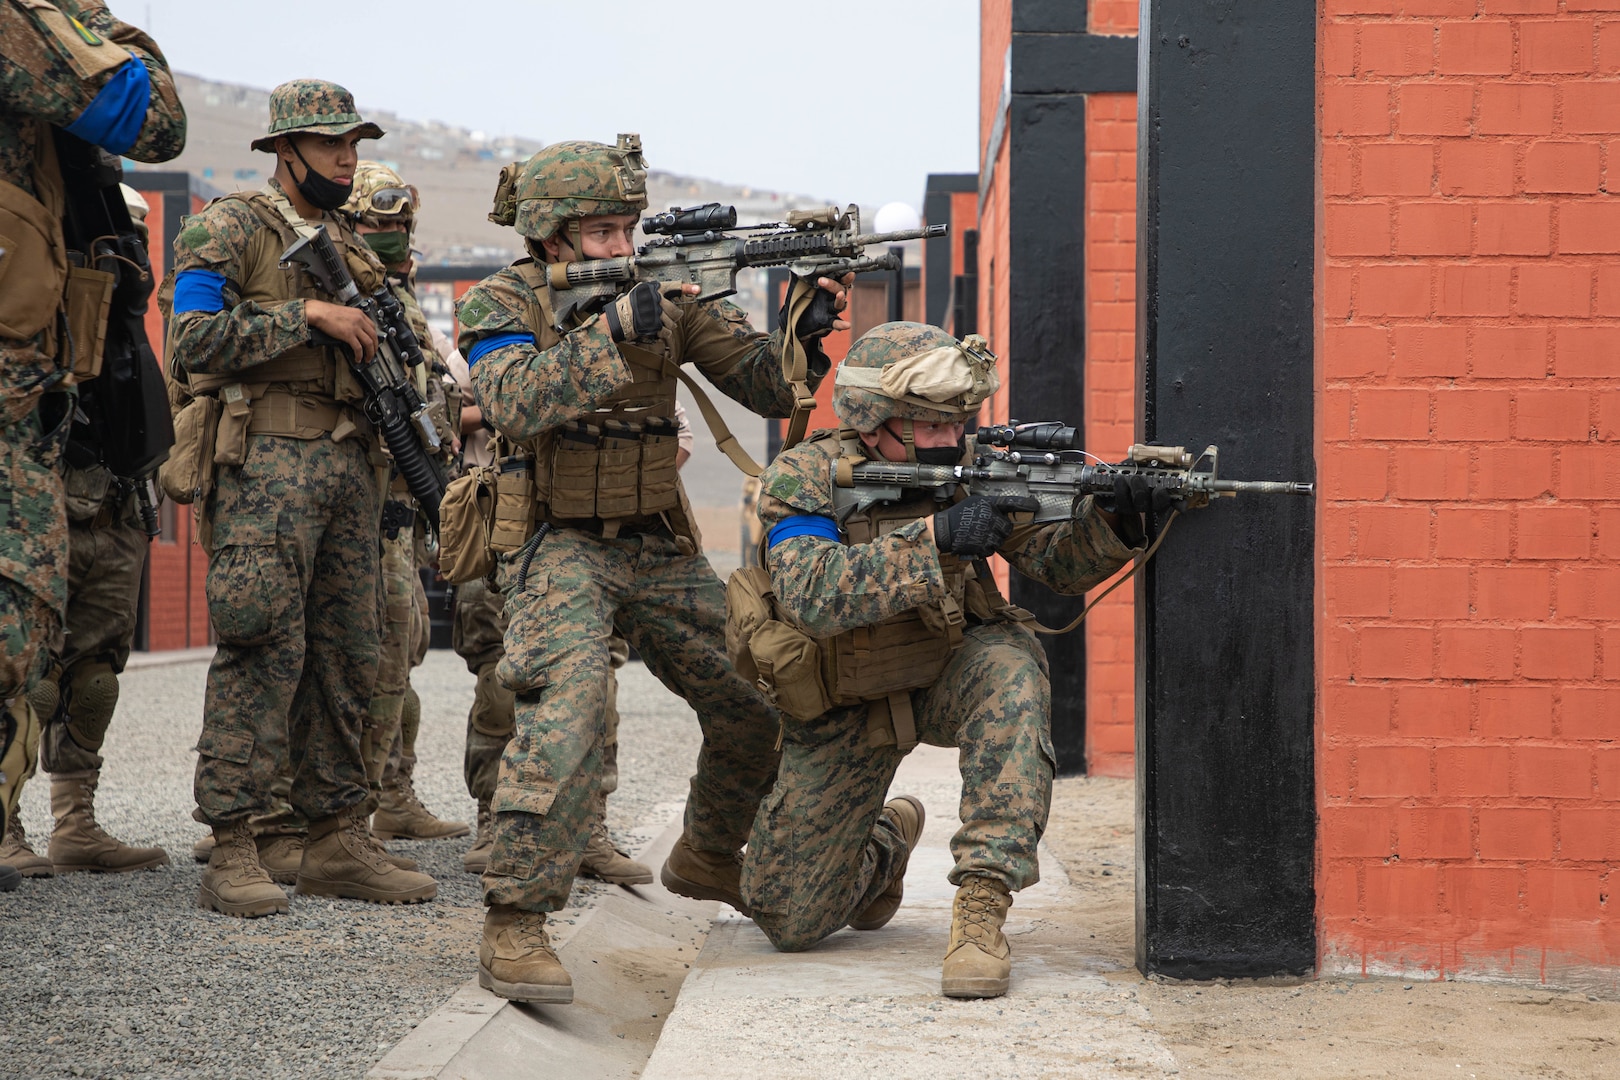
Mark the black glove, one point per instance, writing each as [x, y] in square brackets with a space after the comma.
[642, 315]
[1134, 496]
[979, 524]
[816, 321]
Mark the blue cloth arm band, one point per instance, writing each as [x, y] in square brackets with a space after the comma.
[114, 119]
[803, 525]
[488, 345]
[199, 290]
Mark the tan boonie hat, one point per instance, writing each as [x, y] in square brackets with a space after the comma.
[314, 106]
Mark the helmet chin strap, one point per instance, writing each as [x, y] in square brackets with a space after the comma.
[905, 443]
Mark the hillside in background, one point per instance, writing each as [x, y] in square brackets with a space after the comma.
[454, 168]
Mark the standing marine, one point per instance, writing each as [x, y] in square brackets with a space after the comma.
[75, 701]
[68, 69]
[887, 629]
[587, 397]
[289, 489]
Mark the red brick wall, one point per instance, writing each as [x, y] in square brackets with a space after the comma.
[1110, 381]
[1469, 407]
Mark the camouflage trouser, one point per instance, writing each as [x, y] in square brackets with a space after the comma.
[671, 608]
[33, 552]
[402, 755]
[292, 580]
[816, 856]
[398, 605]
[476, 636]
[104, 588]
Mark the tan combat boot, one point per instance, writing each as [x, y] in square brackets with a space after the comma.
[341, 858]
[234, 883]
[704, 875]
[516, 960]
[78, 843]
[15, 852]
[281, 854]
[401, 816]
[978, 961]
[905, 815]
[607, 863]
[476, 861]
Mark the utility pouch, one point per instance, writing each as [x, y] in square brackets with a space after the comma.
[236, 410]
[88, 303]
[573, 471]
[466, 518]
[789, 663]
[513, 520]
[749, 605]
[900, 653]
[660, 476]
[618, 463]
[33, 264]
[188, 474]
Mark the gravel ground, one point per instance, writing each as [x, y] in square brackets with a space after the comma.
[122, 975]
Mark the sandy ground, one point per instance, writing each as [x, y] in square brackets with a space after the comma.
[1327, 1028]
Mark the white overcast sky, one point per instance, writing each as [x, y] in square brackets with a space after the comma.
[845, 101]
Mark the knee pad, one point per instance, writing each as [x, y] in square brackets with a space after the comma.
[46, 696]
[92, 695]
[494, 706]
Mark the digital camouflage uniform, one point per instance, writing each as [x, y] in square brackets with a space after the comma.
[291, 533]
[108, 83]
[818, 855]
[649, 582]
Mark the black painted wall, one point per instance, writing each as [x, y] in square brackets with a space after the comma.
[937, 250]
[1225, 647]
[1055, 63]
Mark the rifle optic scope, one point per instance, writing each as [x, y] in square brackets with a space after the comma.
[692, 219]
[1048, 436]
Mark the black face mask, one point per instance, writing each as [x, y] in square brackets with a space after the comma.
[317, 190]
[940, 455]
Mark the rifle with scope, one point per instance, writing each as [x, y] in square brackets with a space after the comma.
[1044, 461]
[703, 246]
[391, 401]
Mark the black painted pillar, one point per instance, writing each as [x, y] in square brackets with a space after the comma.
[1053, 64]
[1225, 232]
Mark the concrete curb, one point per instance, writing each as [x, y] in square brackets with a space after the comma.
[168, 658]
[628, 956]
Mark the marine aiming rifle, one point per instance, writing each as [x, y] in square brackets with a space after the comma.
[703, 246]
[122, 419]
[391, 400]
[1044, 461]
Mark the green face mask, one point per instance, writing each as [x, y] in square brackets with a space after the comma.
[393, 248]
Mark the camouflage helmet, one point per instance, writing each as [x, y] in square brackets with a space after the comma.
[567, 181]
[314, 106]
[915, 372]
[381, 196]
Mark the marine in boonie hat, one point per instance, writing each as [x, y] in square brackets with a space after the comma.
[314, 106]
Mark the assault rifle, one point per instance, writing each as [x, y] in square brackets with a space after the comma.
[122, 419]
[1043, 460]
[703, 246]
[391, 400]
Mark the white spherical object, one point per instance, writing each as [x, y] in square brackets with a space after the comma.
[895, 216]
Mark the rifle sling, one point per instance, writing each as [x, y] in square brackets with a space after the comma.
[723, 438]
[1136, 564]
[796, 360]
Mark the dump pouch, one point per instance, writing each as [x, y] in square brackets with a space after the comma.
[33, 268]
[188, 474]
[466, 519]
[749, 600]
[88, 303]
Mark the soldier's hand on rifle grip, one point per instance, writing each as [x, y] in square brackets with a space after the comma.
[644, 315]
[979, 524]
[351, 327]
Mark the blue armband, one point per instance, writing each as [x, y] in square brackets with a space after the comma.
[487, 345]
[803, 525]
[113, 121]
[199, 290]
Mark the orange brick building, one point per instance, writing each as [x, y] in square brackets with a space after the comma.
[1463, 359]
